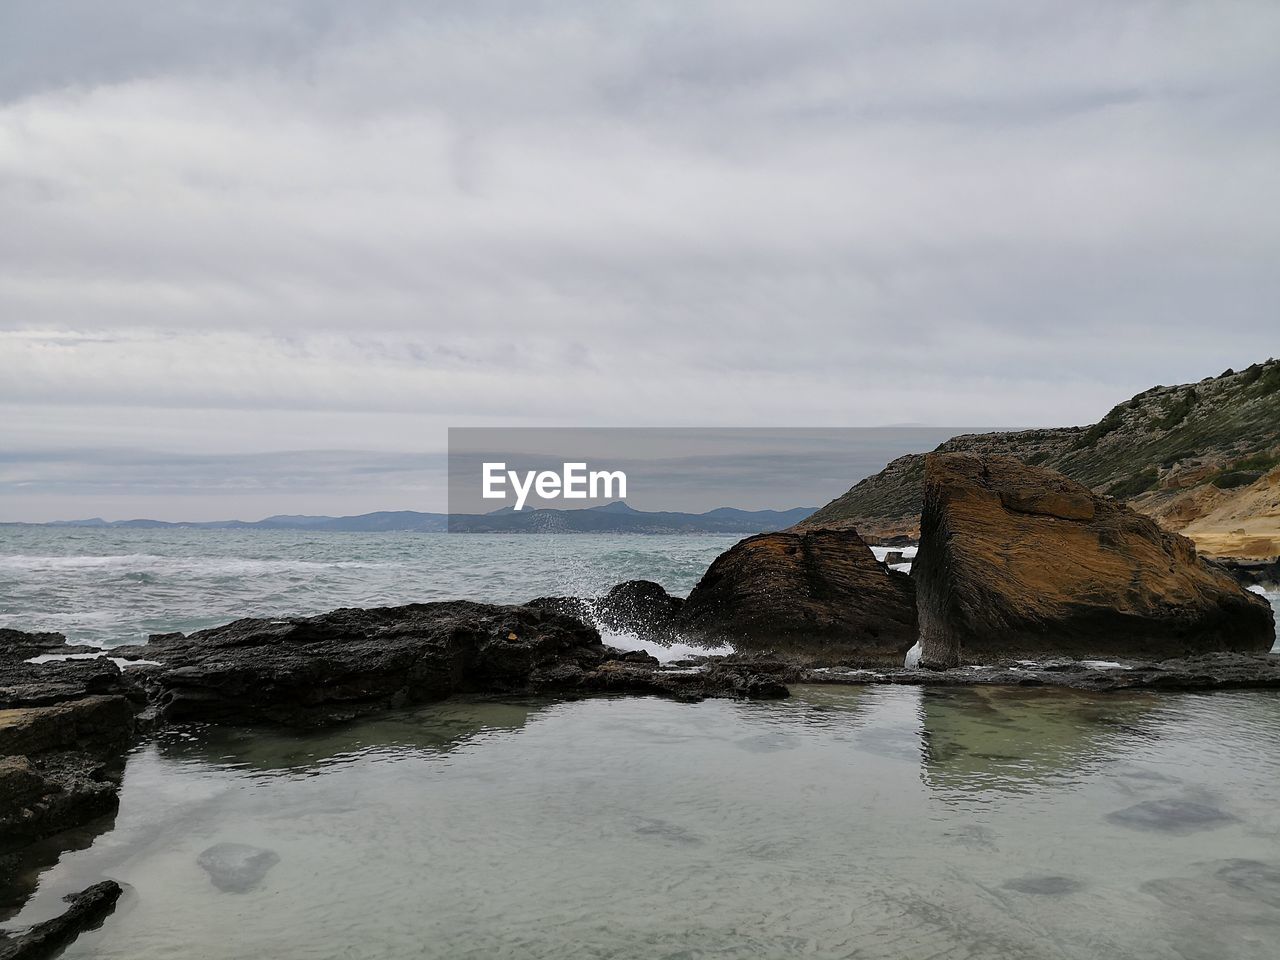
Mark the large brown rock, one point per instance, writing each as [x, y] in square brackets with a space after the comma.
[819, 593]
[1019, 561]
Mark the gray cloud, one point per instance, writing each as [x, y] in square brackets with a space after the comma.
[247, 228]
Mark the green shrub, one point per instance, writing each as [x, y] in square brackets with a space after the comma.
[1112, 422]
[1178, 410]
[1234, 478]
[1134, 485]
[1257, 463]
[1269, 382]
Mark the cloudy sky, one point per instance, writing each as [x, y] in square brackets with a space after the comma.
[258, 256]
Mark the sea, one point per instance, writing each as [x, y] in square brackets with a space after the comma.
[844, 822]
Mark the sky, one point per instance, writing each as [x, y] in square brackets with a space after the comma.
[257, 257]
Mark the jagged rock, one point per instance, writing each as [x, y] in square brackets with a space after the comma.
[715, 679]
[816, 591]
[20, 644]
[640, 606]
[98, 725]
[61, 766]
[44, 684]
[236, 867]
[88, 909]
[1263, 573]
[305, 670]
[1018, 561]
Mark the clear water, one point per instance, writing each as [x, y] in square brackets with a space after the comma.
[871, 823]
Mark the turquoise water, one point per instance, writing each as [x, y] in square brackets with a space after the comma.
[118, 586]
[844, 823]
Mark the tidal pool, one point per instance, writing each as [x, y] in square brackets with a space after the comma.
[881, 822]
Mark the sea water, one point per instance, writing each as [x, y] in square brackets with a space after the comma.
[879, 822]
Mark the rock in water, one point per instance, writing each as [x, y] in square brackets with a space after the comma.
[818, 592]
[237, 867]
[350, 662]
[87, 910]
[1019, 561]
[640, 606]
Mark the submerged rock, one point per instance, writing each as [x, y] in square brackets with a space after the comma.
[1171, 816]
[818, 592]
[1044, 886]
[236, 867]
[87, 910]
[1018, 561]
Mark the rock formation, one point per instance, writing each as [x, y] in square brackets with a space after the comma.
[1019, 561]
[1194, 456]
[312, 670]
[810, 592]
[640, 606]
[64, 730]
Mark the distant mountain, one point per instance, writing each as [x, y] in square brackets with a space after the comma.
[1184, 455]
[614, 517]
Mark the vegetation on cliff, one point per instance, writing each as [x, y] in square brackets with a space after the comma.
[1176, 453]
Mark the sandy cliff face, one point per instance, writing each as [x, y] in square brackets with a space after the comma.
[1195, 457]
[1243, 523]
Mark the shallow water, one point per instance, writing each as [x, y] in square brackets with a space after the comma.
[846, 822]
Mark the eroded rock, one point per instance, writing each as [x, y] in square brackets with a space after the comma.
[820, 592]
[87, 910]
[1021, 562]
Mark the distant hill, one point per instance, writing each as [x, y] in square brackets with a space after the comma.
[614, 517]
[1182, 454]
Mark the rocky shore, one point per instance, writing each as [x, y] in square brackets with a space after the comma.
[1023, 578]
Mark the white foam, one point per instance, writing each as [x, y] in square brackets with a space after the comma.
[665, 653]
[913, 656]
[900, 567]
[118, 661]
[848, 671]
[880, 553]
[1105, 665]
[135, 563]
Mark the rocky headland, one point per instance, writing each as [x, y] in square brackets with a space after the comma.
[1201, 459]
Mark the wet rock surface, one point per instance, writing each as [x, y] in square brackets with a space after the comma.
[1214, 671]
[87, 909]
[19, 643]
[1262, 573]
[819, 591]
[236, 867]
[640, 606]
[64, 730]
[1018, 561]
[310, 670]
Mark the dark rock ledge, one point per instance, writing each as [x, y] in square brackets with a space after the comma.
[65, 726]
